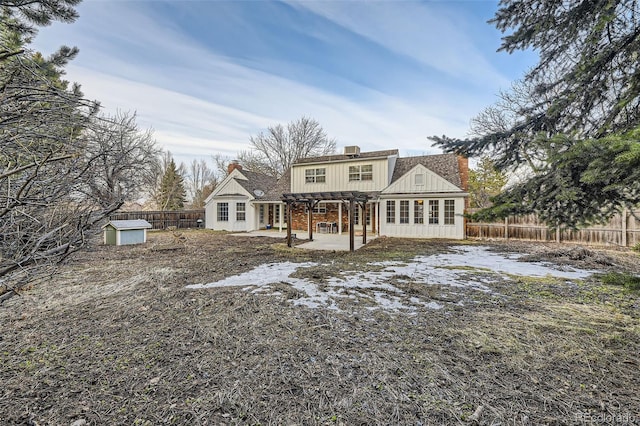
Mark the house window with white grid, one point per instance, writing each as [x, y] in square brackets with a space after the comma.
[223, 212]
[320, 208]
[241, 214]
[434, 212]
[449, 212]
[418, 211]
[391, 211]
[363, 172]
[404, 211]
[315, 175]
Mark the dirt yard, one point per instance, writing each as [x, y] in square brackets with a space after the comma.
[225, 330]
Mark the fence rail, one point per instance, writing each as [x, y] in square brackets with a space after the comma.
[621, 230]
[164, 219]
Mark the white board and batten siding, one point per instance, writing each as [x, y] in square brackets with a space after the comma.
[231, 193]
[425, 229]
[234, 222]
[337, 176]
[422, 184]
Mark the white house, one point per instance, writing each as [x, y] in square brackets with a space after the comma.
[232, 206]
[422, 197]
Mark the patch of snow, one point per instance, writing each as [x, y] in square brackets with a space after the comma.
[458, 269]
[481, 257]
[269, 273]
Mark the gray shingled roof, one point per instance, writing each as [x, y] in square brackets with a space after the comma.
[129, 224]
[445, 165]
[256, 181]
[339, 157]
[283, 186]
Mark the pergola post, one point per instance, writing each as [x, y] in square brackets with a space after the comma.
[364, 222]
[376, 220]
[352, 233]
[310, 218]
[289, 212]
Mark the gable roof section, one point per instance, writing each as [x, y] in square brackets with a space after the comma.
[444, 165]
[256, 181]
[342, 157]
[243, 180]
[283, 186]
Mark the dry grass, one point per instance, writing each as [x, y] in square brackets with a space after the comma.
[115, 338]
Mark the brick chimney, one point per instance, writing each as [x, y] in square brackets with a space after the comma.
[463, 168]
[235, 164]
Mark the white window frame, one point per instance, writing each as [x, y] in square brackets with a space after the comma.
[320, 208]
[450, 214]
[391, 211]
[318, 175]
[362, 172]
[241, 212]
[434, 212]
[418, 212]
[405, 204]
[222, 212]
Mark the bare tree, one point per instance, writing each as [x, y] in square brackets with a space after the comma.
[47, 166]
[221, 163]
[201, 181]
[122, 157]
[275, 151]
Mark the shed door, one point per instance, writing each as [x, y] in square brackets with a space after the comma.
[110, 236]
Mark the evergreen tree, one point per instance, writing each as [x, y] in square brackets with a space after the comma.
[485, 182]
[172, 193]
[577, 108]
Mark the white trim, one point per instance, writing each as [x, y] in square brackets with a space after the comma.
[423, 195]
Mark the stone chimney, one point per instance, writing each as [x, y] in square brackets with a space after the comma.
[463, 168]
[235, 164]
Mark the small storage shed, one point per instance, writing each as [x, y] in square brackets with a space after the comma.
[122, 232]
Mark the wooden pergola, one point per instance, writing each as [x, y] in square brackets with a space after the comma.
[311, 200]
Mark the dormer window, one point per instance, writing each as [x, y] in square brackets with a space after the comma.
[364, 172]
[315, 175]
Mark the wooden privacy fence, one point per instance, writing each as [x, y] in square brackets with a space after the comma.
[165, 219]
[622, 230]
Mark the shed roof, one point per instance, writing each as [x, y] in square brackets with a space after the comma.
[445, 165]
[129, 224]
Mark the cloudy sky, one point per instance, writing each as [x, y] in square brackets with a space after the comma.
[205, 75]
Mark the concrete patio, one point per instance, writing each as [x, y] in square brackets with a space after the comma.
[338, 242]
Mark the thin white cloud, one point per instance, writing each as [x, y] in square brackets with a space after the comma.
[200, 103]
[415, 29]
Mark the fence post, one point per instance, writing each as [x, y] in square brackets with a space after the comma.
[624, 227]
[506, 228]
